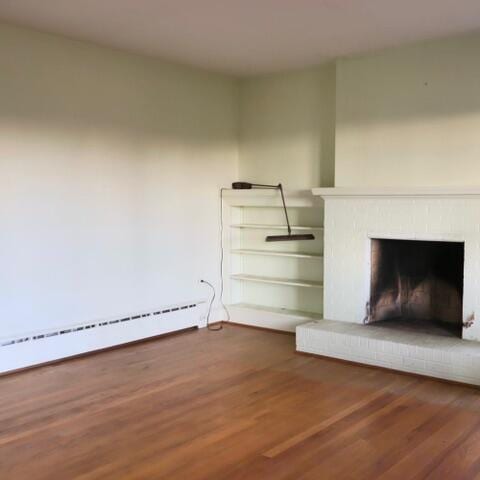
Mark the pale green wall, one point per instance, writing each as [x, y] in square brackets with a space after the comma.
[110, 170]
[110, 163]
[410, 116]
[287, 128]
[403, 116]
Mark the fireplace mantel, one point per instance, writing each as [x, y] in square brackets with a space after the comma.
[392, 192]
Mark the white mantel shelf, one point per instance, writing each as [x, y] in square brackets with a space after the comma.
[389, 192]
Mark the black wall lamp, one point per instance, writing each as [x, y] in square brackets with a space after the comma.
[275, 238]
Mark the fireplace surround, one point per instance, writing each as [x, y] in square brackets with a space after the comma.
[445, 221]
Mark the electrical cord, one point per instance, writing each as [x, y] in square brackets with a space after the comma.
[210, 327]
[220, 325]
[222, 255]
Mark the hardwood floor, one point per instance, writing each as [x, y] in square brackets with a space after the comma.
[235, 404]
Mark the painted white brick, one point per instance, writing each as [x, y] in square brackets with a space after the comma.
[434, 355]
[476, 363]
[438, 368]
[390, 358]
[446, 358]
[462, 361]
[389, 347]
[351, 222]
[451, 359]
[414, 364]
[419, 353]
[363, 342]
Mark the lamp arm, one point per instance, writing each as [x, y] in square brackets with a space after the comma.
[248, 185]
[285, 208]
[261, 185]
[277, 187]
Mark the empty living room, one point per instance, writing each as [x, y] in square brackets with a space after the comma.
[239, 240]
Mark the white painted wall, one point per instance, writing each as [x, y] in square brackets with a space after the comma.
[110, 167]
[287, 128]
[110, 163]
[407, 116]
[410, 116]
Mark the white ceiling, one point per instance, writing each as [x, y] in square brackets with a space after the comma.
[247, 36]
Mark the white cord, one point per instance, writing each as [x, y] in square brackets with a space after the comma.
[222, 255]
[221, 275]
[220, 326]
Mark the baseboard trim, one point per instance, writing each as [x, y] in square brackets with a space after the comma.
[98, 352]
[44, 348]
[255, 327]
[269, 318]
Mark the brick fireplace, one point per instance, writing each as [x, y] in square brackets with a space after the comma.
[401, 280]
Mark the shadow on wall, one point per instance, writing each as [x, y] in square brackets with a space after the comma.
[60, 81]
[108, 163]
[287, 127]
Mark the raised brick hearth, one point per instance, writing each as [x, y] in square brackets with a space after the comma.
[442, 357]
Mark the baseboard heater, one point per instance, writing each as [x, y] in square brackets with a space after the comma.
[26, 350]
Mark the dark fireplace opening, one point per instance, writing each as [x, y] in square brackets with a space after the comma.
[417, 285]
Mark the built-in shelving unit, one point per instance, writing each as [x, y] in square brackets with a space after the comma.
[273, 227]
[277, 281]
[246, 251]
[275, 285]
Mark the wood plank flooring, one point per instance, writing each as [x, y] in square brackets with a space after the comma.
[234, 404]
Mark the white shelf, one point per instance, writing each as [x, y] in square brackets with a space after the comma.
[281, 311]
[273, 227]
[243, 251]
[269, 198]
[265, 284]
[277, 281]
[257, 193]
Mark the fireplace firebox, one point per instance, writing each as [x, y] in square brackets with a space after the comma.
[417, 285]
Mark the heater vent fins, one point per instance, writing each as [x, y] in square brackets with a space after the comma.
[89, 326]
